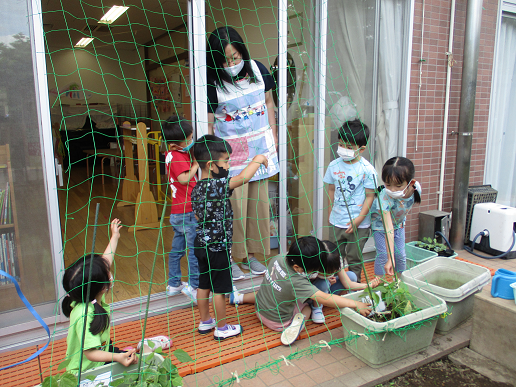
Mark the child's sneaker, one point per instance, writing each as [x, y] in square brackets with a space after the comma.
[230, 331]
[174, 291]
[236, 272]
[255, 266]
[236, 297]
[318, 315]
[191, 293]
[290, 334]
[205, 328]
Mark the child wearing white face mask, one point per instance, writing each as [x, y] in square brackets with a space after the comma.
[393, 204]
[351, 184]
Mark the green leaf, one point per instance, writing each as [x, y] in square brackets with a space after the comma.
[177, 381]
[182, 356]
[90, 377]
[50, 381]
[117, 382]
[149, 357]
[150, 343]
[408, 308]
[167, 365]
[63, 364]
[158, 350]
[68, 380]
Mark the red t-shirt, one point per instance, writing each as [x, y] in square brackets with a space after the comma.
[176, 163]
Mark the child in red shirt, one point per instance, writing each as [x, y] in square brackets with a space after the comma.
[181, 170]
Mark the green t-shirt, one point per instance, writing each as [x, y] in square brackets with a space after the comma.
[280, 289]
[73, 341]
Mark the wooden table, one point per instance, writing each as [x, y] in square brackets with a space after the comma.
[104, 154]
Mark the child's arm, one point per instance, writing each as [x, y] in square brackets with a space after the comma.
[185, 177]
[331, 198]
[366, 207]
[248, 172]
[109, 253]
[211, 122]
[389, 242]
[341, 302]
[352, 285]
[124, 358]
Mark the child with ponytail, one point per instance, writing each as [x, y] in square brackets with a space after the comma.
[389, 212]
[97, 348]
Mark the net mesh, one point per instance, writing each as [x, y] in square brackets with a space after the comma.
[109, 101]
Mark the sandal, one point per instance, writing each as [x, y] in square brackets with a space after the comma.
[159, 341]
[290, 334]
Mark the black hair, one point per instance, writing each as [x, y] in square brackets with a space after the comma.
[176, 129]
[75, 284]
[354, 132]
[216, 56]
[400, 170]
[311, 254]
[210, 148]
[333, 261]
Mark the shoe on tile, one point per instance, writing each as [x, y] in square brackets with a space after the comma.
[290, 334]
[236, 272]
[174, 291]
[191, 293]
[232, 330]
[318, 315]
[255, 266]
[157, 341]
[236, 297]
[205, 328]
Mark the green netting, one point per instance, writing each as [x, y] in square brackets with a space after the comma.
[109, 101]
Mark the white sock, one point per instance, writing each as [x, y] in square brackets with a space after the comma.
[238, 297]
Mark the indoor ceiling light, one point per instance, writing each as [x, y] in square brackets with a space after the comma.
[83, 42]
[113, 14]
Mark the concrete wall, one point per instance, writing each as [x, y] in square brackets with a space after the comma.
[427, 157]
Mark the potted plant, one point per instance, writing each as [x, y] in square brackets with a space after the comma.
[432, 245]
[156, 371]
[407, 328]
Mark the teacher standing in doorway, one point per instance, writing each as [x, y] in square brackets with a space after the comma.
[241, 111]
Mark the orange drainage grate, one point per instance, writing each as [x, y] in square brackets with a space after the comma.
[478, 264]
[181, 326]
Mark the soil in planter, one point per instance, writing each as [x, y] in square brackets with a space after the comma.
[442, 373]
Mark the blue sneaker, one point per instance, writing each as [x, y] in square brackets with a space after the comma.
[191, 293]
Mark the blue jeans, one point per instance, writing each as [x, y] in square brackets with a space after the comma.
[324, 286]
[184, 238]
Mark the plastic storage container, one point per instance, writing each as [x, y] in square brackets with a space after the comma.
[416, 255]
[454, 281]
[513, 286]
[387, 346]
[501, 286]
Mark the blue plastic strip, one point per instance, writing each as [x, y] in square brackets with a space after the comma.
[34, 313]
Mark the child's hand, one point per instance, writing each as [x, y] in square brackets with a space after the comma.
[126, 358]
[388, 268]
[363, 309]
[261, 159]
[116, 225]
[332, 280]
[374, 283]
[356, 222]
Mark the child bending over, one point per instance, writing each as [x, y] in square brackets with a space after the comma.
[282, 299]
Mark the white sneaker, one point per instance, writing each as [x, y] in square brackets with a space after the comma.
[174, 291]
[205, 328]
[318, 315]
[191, 293]
[236, 297]
[232, 330]
[290, 334]
[236, 272]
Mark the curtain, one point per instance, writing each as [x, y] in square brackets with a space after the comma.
[500, 170]
[390, 66]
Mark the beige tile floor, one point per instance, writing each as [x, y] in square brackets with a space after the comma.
[337, 366]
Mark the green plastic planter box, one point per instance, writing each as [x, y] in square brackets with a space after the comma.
[416, 255]
[454, 281]
[385, 345]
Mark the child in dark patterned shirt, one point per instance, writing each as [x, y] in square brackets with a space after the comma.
[212, 208]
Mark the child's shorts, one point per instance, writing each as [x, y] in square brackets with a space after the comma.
[277, 326]
[214, 269]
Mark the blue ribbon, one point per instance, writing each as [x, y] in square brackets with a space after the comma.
[34, 313]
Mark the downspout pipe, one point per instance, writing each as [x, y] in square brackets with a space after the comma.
[449, 66]
[466, 121]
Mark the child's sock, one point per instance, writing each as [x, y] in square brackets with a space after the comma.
[225, 327]
[210, 321]
[238, 298]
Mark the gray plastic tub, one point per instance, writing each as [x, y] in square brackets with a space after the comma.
[454, 281]
[385, 346]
